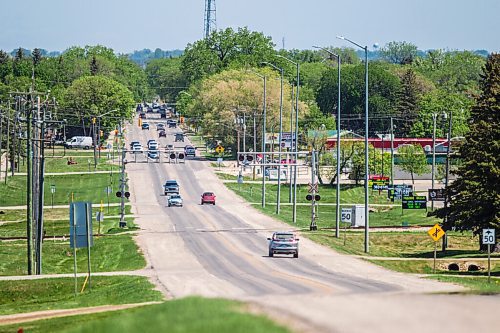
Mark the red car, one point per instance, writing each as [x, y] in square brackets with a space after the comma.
[208, 197]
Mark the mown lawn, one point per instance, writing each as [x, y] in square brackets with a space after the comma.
[192, 314]
[58, 293]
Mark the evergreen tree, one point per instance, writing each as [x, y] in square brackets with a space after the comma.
[19, 54]
[474, 197]
[37, 56]
[407, 106]
[94, 68]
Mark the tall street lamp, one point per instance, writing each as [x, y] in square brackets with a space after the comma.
[337, 204]
[367, 225]
[262, 170]
[278, 193]
[295, 146]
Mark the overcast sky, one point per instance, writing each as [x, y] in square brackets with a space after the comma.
[127, 25]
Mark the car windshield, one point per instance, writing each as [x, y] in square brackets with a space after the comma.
[283, 236]
[175, 197]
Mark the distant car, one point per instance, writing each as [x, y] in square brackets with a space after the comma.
[145, 126]
[154, 154]
[137, 149]
[142, 115]
[171, 187]
[149, 109]
[160, 126]
[150, 140]
[208, 197]
[134, 143]
[174, 200]
[169, 147]
[287, 161]
[284, 242]
[171, 123]
[179, 137]
[162, 133]
[190, 151]
[153, 146]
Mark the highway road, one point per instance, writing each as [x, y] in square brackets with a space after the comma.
[221, 251]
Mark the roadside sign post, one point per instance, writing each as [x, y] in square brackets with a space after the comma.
[108, 190]
[436, 232]
[489, 239]
[52, 191]
[219, 161]
[346, 218]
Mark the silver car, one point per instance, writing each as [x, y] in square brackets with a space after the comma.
[174, 200]
[284, 242]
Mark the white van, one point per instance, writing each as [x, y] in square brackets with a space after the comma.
[84, 142]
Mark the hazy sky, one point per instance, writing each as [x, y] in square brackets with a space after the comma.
[127, 25]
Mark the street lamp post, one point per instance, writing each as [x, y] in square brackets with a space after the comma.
[262, 169]
[337, 203]
[278, 194]
[295, 146]
[367, 225]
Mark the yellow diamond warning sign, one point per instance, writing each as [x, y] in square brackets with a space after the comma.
[436, 232]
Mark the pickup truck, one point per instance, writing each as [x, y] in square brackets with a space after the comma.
[171, 187]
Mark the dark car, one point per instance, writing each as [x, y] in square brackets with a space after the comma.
[208, 197]
[170, 187]
[145, 126]
[142, 115]
[284, 242]
[162, 133]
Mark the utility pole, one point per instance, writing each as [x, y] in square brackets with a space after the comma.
[313, 184]
[94, 142]
[434, 116]
[392, 151]
[445, 238]
[29, 225]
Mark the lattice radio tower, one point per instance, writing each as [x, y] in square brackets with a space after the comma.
[210, 19]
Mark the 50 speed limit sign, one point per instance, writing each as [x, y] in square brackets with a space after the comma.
[488, 236]
[346, 215]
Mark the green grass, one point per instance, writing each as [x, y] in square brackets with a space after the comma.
[379, 215]
[57, 213]
[109, 253]
[226, 176]
[61, 228]
[85, 187]
[477, 285]
[58, 293]
[193, 315]
[427, 266]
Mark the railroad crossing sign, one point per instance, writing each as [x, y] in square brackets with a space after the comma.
[489, 236]
[219, 149]
[436, 232]
[312, 187]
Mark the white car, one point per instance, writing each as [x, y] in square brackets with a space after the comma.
[153, 145]
[174, 200]
[137, 149]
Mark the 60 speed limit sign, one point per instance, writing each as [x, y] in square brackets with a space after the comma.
[488, 236]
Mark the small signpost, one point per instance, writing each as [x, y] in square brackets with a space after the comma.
[219, 161]
[108, 190]
[436, 194]
[489, 239]
[399, 191]
[436, 232]
[219, 149]
[52, 191]
[346, 217]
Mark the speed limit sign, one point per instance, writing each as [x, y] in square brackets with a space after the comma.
[488, 236]
[346, 215]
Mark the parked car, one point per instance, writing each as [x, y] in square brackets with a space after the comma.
[171, 187]
[284, 242]
[84, 142]
[162, 133]
[208, 197]
[154, 154]
[190, 151]
[145, 126]
[174, 200]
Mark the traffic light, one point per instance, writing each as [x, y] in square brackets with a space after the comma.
[116, 132]
[93, 120]
[181, 119]
[101, 133]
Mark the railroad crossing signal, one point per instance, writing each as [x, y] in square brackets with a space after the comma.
[436, 232]
[312, 187]
[219, 149]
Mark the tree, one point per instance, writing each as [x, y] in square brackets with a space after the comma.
[412, 159]
[408, 98]
[223, 49]
[474, 197]
[94, 95]
[94, 69]
[37, 56]
[165, 77]
[401, 53]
